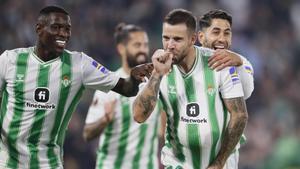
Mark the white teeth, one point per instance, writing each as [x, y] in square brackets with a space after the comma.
[220, 47]
[61, 42]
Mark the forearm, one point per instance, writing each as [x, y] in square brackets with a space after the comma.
[233, 132]
[146, 100]
[127, 87]
[93, 130]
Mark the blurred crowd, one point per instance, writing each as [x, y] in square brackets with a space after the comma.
[267, 32]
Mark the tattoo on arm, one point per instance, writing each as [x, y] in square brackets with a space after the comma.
[235, 128]
[146, 101]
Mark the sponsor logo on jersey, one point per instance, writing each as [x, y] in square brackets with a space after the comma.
[41, 94]
[100, 67]
[41, 97]
[193, 114]
[20, 78]
[234, 75]
[171, 89]
[66, 81]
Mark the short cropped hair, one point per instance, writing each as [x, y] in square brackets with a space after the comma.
[178, 16]
[50, 9]
[123, 30]
[206, 19]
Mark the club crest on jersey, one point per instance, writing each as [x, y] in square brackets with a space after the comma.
[234, 75]
[211, 90]
[99, 67]
[66, 81]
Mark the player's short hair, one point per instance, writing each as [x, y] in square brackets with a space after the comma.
[178, 16]
[50, 9]
[123, 30]
[44, 13]
[206, 19]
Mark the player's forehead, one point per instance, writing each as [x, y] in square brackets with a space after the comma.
[58, 18]
[138, 36]
[221, 24]
[177, 30]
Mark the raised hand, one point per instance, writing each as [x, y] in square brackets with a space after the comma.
[140, 71]
[162, 61]
[223, 58]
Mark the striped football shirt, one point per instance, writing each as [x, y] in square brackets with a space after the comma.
[38, 99]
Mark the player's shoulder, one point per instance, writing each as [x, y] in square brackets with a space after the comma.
[12, 54]
[77, 56]
[204, 51]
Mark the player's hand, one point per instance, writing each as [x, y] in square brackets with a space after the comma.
[140, 71]
[109, 108]
[214, 167]
[223, 58]
[162, 61]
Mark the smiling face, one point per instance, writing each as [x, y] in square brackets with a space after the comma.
[217, 36]
[54, 31]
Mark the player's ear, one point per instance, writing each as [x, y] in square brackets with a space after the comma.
[121, 49]
[38, 28]
[201, 37]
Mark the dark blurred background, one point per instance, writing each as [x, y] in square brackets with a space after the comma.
[267, 32]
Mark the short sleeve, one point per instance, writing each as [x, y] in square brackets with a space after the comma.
[96, 76]
[230, 84]
[96, 109]
[246, 72]
[3, 61]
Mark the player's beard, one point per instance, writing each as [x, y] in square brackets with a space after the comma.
[137, 59]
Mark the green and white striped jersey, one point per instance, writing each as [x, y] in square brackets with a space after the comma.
[196, 117]
[38, 99]
[124, 143]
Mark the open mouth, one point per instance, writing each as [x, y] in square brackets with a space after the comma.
[219, 46]
[60, 43]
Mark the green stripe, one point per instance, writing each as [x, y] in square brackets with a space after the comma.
[153, 139]
[174, 103]
[14, 127]
[140, 146]
[124, 132]
[36, 129]
[63, 96]
[192, 129]
[3, 108]
[211, 97]
[103, 150]
[168, 126]
[68, 116]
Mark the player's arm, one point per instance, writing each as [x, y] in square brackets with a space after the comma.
[129, 86]
[146, 100]
[237, 123]
[223, 58]
[101, 113]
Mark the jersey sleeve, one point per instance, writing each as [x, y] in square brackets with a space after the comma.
[230, 84]
[96, 109]
[245, 72]
[96, 76]
[3, 61]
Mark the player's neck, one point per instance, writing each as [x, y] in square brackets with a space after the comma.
[43, 54]
[189, 60]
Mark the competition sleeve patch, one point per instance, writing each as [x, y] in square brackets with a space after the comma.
[100, 67]
[249, 70]
[234, 75]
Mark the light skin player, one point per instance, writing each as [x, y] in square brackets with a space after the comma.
[215, 32]
[179, 36]
[123, 142]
